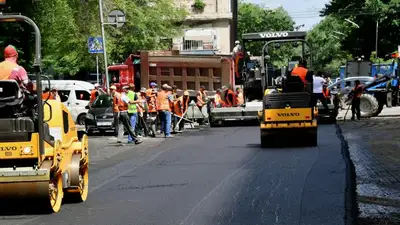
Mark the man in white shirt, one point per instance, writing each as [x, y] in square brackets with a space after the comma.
[318, 83]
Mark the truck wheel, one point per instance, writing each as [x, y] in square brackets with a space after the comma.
[380, 108]
[369, 105]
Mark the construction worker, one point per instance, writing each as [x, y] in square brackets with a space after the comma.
[239, 96]
[180, 108]
[143, 110]
[230, 97]
[47, 94]
[301, 71]
[10, 70]
[94, 93]
[153, 86]
[355, 94]
[218, 102]
[121, 118]
[201, 97]
[326, 93]
[318, 82]
[132, 108]
[164, 109]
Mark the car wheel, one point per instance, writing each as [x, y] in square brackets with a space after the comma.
[81, 119]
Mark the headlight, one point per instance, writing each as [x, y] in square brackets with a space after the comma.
[90, 116]
[27, 151]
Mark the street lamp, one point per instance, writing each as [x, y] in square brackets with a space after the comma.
[356, 25]
[116, 18]
[298, 27]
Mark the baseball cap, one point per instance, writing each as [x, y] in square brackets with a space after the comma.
[153, 84]
[186, 93]
[113, 87]
[10, 51]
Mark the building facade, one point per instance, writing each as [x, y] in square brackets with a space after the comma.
[209, 30]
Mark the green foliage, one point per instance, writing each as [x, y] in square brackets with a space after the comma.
[255, 18]
[325, 41]
[365, 13]
[66, 25]
[199, 4]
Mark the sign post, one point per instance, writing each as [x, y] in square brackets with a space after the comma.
[95, 45]
[116, 18]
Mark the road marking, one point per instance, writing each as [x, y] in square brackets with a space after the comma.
[218, 186]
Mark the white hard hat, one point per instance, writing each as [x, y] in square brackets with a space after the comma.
[96, 85]
[237, 42]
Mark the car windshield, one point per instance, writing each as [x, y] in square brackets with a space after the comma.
[103, 101]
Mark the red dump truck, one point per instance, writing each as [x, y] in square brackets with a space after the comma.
[187, 72]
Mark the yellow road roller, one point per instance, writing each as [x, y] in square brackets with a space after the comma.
[287, 117]
[42, 155]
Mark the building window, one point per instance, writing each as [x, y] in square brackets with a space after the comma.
[192, 45]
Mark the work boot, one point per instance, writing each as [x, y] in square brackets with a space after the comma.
[169, 136]
[119, 144]
[130, 142]
[137, 142]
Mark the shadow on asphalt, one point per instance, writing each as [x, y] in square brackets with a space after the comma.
[20, 208]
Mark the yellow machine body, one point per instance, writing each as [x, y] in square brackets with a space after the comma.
[63, 168]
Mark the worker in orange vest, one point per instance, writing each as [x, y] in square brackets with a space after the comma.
[201, 97]
[143, 110]
[47, 94]
[164, 109]
[10, 70]
[230, 97]
[180, 108]
[239, 96]
[121, 118]
[218, 102]
[326, 93]
[355, 94]
[302, 72]
[94, 93]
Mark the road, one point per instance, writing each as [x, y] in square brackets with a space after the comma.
[212, 176]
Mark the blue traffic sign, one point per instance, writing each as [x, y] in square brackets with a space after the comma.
[95, 45]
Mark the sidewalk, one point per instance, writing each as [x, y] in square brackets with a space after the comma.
[374, 149]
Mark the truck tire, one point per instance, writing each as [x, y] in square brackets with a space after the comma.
[369, 106]
[380, 108]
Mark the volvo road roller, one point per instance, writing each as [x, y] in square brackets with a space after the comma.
[42, 156]
[287, 116]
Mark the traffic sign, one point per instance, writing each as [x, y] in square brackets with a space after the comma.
[95, 45]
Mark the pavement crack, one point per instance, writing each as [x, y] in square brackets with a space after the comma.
[148, 186]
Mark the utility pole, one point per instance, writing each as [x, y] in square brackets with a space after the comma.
[376, 37]
[104, 45]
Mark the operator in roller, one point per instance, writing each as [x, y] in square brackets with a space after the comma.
[302, 72]
[10, 70]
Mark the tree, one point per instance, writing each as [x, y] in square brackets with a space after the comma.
[255, 18]
[366, 13]
[326, 45]
[66, 25]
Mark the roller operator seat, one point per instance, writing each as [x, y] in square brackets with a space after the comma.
[11, 99]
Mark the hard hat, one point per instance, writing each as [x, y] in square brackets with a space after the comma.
[126, 87]
[131, 85]
[186, 93]
[113, 87]
[202, 86]
[143, 90]
[153, 84]
[10, 51]
[237, 42]
[96, 85]
[165, 86]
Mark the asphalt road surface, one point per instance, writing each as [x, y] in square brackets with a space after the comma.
[213, 176]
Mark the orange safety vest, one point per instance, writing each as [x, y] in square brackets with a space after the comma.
[301, 72]
[240, 99]
[122, 106]
[180, 107]
[218, 100]
[326, 93]
[228, 102]
[93, 95]
[47, 95]
[199, 99]
[6, 68]
[358, 95]
[163, 102]
[116, 101]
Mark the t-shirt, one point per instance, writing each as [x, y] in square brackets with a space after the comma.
[318, 83]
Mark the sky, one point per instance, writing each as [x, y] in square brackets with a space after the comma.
[302, 11]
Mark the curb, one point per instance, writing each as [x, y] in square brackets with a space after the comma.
[351, 206]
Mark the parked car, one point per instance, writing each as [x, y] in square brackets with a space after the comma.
[100, 116]
[75, 94]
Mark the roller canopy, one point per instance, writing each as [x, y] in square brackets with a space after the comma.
[278, 35]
